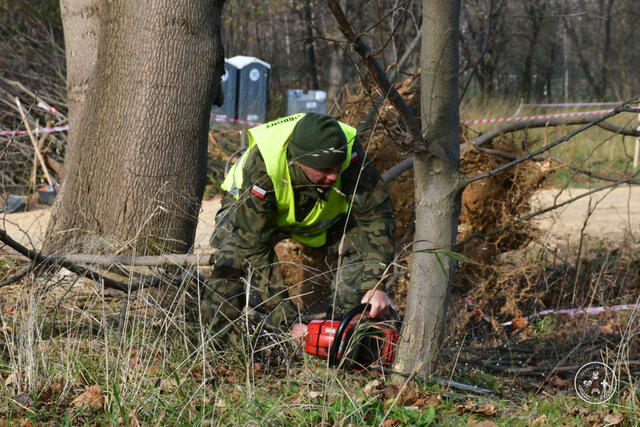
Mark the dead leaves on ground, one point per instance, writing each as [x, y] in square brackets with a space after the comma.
[91, 397]
[409, 396]
[470, 407]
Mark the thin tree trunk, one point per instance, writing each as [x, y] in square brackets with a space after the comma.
[438, 186]
[310, 46]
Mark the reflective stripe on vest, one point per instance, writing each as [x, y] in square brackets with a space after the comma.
[271, 139]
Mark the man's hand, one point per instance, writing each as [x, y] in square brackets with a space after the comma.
[298, 332]
[379, 302]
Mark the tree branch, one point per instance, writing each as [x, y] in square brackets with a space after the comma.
[46, 261]
[558, 121]
[420, 145]
[546, 147]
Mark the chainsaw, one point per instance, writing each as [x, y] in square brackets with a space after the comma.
[354, 339]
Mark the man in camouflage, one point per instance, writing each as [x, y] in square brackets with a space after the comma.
[295, 167]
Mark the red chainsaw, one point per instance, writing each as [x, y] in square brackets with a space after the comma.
[354, 338]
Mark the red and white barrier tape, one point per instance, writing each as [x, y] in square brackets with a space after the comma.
[542, 116]
[35, 131]
[573, 104]
[222, 118]
[218, 117]
[66, 127]
[567, 311]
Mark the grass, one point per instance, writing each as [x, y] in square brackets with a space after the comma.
[82, 372]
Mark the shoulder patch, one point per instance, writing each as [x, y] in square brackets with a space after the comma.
[257, 191]
[354, 157]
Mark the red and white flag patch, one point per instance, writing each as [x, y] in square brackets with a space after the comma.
[354, 157]
[257, 191]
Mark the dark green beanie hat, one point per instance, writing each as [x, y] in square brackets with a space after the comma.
[318, 141]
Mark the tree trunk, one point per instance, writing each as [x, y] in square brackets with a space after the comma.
[438, 186]
[310, 47]
[136, 160]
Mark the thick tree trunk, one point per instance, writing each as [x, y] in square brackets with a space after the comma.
[81, 26]
[136, 161]
[437, 187]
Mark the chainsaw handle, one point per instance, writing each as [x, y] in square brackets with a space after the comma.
[335, 346]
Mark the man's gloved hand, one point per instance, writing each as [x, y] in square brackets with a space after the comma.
[379, 301]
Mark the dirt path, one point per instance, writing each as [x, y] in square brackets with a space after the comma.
[28, 227]
[615, 213]
[608, 214]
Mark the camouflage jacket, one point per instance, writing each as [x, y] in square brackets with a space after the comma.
[250, 221]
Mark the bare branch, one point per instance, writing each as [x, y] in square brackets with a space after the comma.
[46, 261]
[546, 147]
[365, 52]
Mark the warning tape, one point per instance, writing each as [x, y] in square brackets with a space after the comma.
[223, 118]
[66, 127]
[567, 311]
[36, 131]
[542, 116]
[573, 104]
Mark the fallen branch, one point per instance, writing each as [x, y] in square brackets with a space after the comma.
[181, 260]
[547, 147]
[542, 123]
[49, 261]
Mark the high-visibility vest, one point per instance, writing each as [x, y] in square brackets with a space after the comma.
[272, 140]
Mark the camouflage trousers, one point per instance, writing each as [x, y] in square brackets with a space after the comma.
[224, 299]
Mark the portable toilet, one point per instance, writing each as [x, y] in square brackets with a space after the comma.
[229, 83]
[314, 101]
[253, 84]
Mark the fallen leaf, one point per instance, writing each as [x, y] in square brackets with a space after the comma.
[607, 329]
[488, 409]
[257, 368]
[92, 395]
[11, 379]
[485, 423]
[519, 322]
[316, 394]
[391, 423]
[8, 309]
[540, 421]
[614, 419]
[372, 387]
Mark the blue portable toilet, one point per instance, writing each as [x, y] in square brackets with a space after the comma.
[229, 83]
[253, 84]
[313, 101]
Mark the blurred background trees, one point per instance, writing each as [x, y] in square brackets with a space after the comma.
[531, 50]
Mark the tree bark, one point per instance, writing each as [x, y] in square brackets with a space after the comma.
[136, 160]
[310, 47]
[438, 186]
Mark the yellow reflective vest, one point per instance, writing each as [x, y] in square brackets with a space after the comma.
[272, 140]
